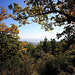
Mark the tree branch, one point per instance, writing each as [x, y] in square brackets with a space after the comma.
[69, 18]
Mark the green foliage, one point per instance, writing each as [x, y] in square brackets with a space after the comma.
[36, 60]
[8, 44]
[45, 45]
[30, 49]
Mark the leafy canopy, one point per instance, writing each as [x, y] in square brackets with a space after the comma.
[42, 11]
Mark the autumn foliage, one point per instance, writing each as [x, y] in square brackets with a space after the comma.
[3, 14]
[41, 11]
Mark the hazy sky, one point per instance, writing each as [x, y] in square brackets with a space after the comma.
[29, 31]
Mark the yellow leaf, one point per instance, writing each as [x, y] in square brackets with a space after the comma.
[27, 22]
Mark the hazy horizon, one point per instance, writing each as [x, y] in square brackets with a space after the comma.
[38, 39]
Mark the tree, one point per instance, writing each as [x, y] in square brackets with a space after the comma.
[8, 37]
[30, 49]
[63, 10]
[45, 45]
[53, 45]
[10, 46]
[8, 41]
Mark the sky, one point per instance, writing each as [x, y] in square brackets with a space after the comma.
[29, 32]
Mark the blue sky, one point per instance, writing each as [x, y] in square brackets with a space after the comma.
[29, 32]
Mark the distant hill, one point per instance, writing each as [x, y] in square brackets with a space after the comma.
[32, 40]
[34, 43]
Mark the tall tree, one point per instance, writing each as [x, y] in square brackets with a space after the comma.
[53, 45]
